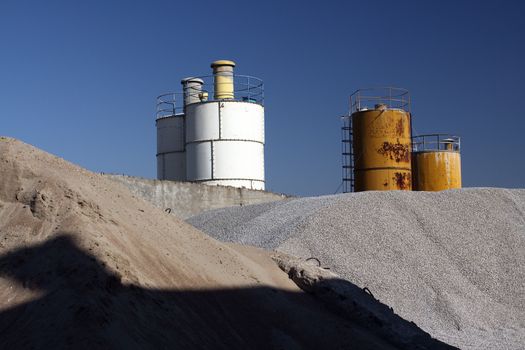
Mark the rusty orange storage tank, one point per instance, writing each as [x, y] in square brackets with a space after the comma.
[436, 162]
[381, 145]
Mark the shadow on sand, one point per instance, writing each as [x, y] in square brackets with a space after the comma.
[84, 305]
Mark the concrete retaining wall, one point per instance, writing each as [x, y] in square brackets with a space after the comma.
[187, 199]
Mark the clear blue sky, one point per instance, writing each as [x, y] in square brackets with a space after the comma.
[79, 78]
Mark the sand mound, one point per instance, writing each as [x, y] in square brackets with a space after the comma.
[453, 262]
[85, 264]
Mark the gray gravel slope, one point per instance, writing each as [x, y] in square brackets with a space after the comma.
[453, 262]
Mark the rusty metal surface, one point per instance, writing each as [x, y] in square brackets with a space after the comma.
[436, 170]
[395, 151]
[386, 179]
[403, 180]
[382, 149]
[400, 127]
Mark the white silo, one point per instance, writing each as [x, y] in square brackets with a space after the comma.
[170, 122]
[224, 129]
[171, 154]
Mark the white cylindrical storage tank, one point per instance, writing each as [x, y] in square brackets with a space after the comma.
[171, 155]
[225, 143]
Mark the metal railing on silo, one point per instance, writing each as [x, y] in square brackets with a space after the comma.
[436, 142]
[391, 97]
[169, 104]
[246, 89]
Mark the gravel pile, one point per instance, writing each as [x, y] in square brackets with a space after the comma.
[453, 262]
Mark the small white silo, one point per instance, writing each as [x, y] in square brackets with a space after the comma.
[171, 154]
[223, 131]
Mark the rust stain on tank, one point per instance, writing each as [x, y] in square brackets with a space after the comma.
[402, 180]
[400, 127]
[395, 151]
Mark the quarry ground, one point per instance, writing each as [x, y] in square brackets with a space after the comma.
[84, 263]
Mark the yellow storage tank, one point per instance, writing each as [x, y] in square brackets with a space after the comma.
[381, 144]
[436, 162]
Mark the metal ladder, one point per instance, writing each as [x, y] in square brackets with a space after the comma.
[347, 154]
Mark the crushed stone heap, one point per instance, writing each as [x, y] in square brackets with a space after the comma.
[453, 262]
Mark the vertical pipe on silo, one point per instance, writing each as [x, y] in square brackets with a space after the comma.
[223, 79]
[192, 90]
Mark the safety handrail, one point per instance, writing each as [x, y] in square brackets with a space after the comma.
[169, 104]
[391, 97]
[246, 88]
[436, 142]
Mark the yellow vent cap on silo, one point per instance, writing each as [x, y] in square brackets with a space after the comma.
[220, 63]
[223, 79]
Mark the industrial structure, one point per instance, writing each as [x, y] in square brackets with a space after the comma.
[213, 132]
[377, 147]
[377, 141]
[436, 162]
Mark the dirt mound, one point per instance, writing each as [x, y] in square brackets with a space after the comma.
[84, 264]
